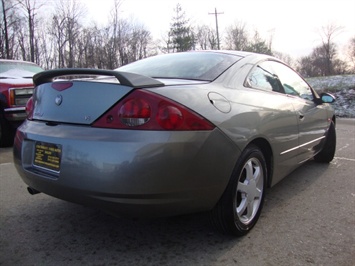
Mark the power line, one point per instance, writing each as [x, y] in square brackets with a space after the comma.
[216, 16]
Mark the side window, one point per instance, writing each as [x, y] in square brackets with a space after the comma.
[262, 77]
[292, 83]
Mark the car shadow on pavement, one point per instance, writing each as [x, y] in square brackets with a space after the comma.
[295, 183]
[64, 233]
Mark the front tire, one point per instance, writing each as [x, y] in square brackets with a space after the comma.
[327, 153]
[240, 206]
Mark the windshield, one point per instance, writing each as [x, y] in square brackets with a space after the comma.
[205, 66]
[13, 69]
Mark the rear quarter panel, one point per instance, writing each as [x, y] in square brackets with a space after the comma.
[253, 114]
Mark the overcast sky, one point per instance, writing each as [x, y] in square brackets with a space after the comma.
[294, 24]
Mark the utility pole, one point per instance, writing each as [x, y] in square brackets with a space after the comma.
[216, 16]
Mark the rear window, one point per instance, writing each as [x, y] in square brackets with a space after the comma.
[205, 66]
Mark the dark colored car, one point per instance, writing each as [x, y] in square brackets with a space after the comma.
[173, 134]
[16, 88]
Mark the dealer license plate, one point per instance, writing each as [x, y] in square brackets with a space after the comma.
[47, 156]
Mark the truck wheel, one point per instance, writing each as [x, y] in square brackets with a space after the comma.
[6, 134]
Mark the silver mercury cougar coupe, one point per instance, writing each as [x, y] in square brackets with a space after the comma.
[173, 134]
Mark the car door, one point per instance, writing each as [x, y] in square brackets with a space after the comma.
[312, 117]
[278, 119]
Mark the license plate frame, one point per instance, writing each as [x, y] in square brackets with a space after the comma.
[47, 156]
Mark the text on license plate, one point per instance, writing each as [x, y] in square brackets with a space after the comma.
[48, 156]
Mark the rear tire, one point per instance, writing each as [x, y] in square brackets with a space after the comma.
[240, 206]
[327, 153]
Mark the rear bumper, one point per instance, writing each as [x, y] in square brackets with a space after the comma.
[16, 114]
[133, 173]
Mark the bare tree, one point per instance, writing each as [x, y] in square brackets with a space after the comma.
[351, 54]
[59, 39]
[285, 58]
[138, 42]
[30, 8]
[91, 47]
[8, 28]
[206, 38]
[45, 47]
[115, 45]
[237, 37]
[328, 33]
[317, 64]
[65, 31]
[324, 61]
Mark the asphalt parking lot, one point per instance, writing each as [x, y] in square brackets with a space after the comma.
[308, 219]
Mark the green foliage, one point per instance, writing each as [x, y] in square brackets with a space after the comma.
[181, 36]
[259, 47]
[238, 39]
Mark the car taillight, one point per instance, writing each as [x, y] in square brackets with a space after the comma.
[169, 117]
[29, 108]
[135, 112]
[145, 110]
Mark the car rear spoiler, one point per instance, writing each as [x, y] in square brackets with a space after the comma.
[125, 78]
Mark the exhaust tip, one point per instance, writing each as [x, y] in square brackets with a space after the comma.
[33, 191]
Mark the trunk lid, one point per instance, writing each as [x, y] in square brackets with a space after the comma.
[82, 101]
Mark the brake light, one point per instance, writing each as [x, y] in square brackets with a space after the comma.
[145, 110]
[29, 108]
[169, 117]
[61, 86]
[135, 112]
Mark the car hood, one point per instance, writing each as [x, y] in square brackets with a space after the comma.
[16, 74]
[16, 81]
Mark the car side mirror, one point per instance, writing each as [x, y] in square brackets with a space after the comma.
[327, 98]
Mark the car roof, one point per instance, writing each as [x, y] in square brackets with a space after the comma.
[231, 52]
[252, 57]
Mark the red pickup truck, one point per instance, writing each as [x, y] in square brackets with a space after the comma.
[16, 88]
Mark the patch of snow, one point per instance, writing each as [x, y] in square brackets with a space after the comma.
[342, 87]
[344, 104]
[330, 83]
